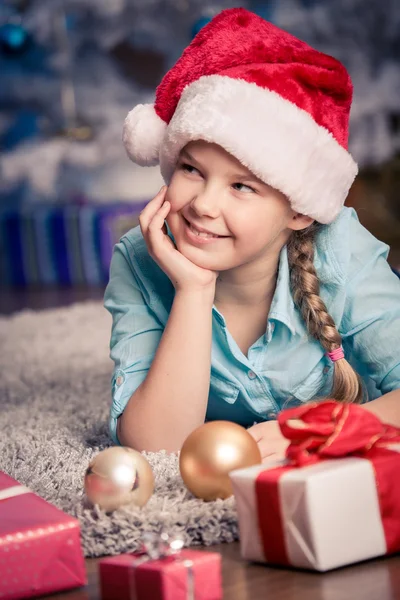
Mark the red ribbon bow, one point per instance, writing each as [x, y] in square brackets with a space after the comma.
[331, 429]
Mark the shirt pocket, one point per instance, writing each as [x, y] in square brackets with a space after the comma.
[117, 384]
[318, 383]
[222, 388]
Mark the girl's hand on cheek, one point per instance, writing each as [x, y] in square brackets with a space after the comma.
[270, 440]
[183, 274]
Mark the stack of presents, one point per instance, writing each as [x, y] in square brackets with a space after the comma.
[71, 244]
[334, 501]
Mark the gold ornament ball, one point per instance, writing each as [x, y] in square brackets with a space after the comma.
[118, 476]
[210, 452]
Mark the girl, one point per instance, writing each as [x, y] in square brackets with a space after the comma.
[247, 288]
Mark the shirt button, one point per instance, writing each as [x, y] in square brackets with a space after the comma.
[251, 375]
[271, 415]
[272, 327]
[119, 380]
[326, 370]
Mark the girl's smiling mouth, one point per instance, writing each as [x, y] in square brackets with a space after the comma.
[200, 237]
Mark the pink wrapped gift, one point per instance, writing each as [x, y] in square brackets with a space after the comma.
[334, 501]
[40, 550]
[184, 575]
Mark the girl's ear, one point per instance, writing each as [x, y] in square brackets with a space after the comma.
[299, 221]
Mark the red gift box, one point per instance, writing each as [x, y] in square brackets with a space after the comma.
[40, 550]
[189, 575]
[334, 501]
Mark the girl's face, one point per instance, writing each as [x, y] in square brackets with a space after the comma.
[211, 190]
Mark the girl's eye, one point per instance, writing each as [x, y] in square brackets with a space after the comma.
[245, 186]
[188, 168]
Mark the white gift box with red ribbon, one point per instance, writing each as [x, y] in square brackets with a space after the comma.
[320, 516]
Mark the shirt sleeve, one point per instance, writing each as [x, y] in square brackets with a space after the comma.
[135, 333]
[370, 325]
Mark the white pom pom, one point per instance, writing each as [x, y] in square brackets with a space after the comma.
[142, 135]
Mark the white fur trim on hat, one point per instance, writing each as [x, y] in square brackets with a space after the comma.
[142, 135]
[279, 142]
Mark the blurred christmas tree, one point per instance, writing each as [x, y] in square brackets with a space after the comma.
[70, 72]
[72, 69]
[365, 36]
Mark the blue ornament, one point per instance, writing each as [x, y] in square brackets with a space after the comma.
[70, 22]
[310, 3]
[264, 8]
[14, 38]
[199, 24]
[24, 126]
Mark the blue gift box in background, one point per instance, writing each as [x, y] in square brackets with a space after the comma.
[48, 244]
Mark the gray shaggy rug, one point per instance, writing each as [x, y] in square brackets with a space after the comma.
[54, 399]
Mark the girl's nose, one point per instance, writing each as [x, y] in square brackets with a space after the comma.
[206, 203]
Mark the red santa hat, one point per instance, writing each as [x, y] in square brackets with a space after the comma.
[276, 104]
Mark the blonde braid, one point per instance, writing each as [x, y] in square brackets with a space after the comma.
[347, 386]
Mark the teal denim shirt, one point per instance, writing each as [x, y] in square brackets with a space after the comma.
[284, 367]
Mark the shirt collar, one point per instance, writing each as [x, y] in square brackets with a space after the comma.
[283, 308]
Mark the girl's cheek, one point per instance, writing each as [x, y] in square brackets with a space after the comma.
[176, 201]
[173, 221]
[168, 194]
[171, 197]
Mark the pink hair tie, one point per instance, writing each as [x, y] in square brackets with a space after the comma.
[336, 354]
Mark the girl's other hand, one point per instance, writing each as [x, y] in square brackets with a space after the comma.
[271, 442]
[184, 275]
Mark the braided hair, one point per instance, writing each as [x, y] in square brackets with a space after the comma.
[347, 385]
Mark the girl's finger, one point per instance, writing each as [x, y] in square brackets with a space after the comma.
[265, 447]
[255, 432]
[152, 207]
[157, 222]
[269, 447]
[275, 456]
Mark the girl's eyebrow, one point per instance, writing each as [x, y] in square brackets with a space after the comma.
[239, 176]
[189, 156]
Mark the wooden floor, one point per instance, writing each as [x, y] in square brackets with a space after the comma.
[373, 580]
